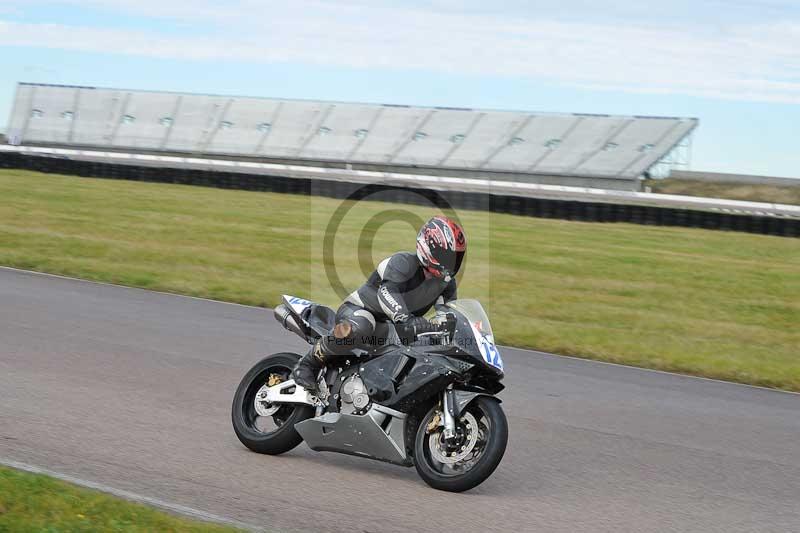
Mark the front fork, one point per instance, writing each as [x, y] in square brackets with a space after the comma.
[449, 412]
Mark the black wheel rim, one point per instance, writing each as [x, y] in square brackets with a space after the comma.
[265, 425]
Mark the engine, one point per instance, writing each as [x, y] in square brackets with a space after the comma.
[353, 396]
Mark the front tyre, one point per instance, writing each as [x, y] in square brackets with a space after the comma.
[267, 428]
[465, 462]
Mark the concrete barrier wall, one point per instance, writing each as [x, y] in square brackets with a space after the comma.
[494, 199]
[607, 183]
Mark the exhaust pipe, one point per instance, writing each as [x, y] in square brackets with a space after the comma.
[288, 321]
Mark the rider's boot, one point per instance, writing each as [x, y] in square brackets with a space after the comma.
[307, 369]
[327, 349]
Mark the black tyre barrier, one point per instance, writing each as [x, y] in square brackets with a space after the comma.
[514, 205]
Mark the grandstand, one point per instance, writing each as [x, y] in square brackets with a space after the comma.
[604, 151]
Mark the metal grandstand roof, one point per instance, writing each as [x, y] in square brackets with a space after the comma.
[392, 135]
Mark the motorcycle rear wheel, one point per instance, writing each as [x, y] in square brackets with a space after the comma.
[248, 424]
[484, 431]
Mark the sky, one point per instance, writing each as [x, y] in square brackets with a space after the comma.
[734, 64]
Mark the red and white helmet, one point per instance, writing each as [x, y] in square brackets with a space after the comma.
[441, 246]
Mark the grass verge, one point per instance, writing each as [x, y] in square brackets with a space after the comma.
[732, 191]
[710, 303]
[33, 502]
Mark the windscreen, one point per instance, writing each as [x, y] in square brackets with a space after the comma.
[473, 311]
[473, 332]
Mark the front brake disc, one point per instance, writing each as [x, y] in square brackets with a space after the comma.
[436, 445]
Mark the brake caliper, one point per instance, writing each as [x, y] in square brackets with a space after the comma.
[435, 422]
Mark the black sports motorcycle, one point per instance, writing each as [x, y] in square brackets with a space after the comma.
[430, 403]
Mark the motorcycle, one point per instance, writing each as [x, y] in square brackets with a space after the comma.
[430, 403]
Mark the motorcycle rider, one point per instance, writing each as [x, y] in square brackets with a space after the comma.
[401, 290]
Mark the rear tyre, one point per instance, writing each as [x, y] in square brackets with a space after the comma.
[274, 433]
[482, 435]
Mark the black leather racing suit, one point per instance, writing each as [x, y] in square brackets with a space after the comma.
[397, 291]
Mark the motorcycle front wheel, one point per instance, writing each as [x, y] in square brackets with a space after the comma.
[261, 427]
[468, 460]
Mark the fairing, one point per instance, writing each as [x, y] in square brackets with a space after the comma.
[473, 333]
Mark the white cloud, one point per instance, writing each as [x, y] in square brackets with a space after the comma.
[746, 61]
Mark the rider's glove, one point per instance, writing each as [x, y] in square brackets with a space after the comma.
[417, 325]
[422, 325]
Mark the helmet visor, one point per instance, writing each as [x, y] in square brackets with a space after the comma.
[459, 260]
[449, 262]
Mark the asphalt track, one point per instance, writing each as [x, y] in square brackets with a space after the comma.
[131, 390]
